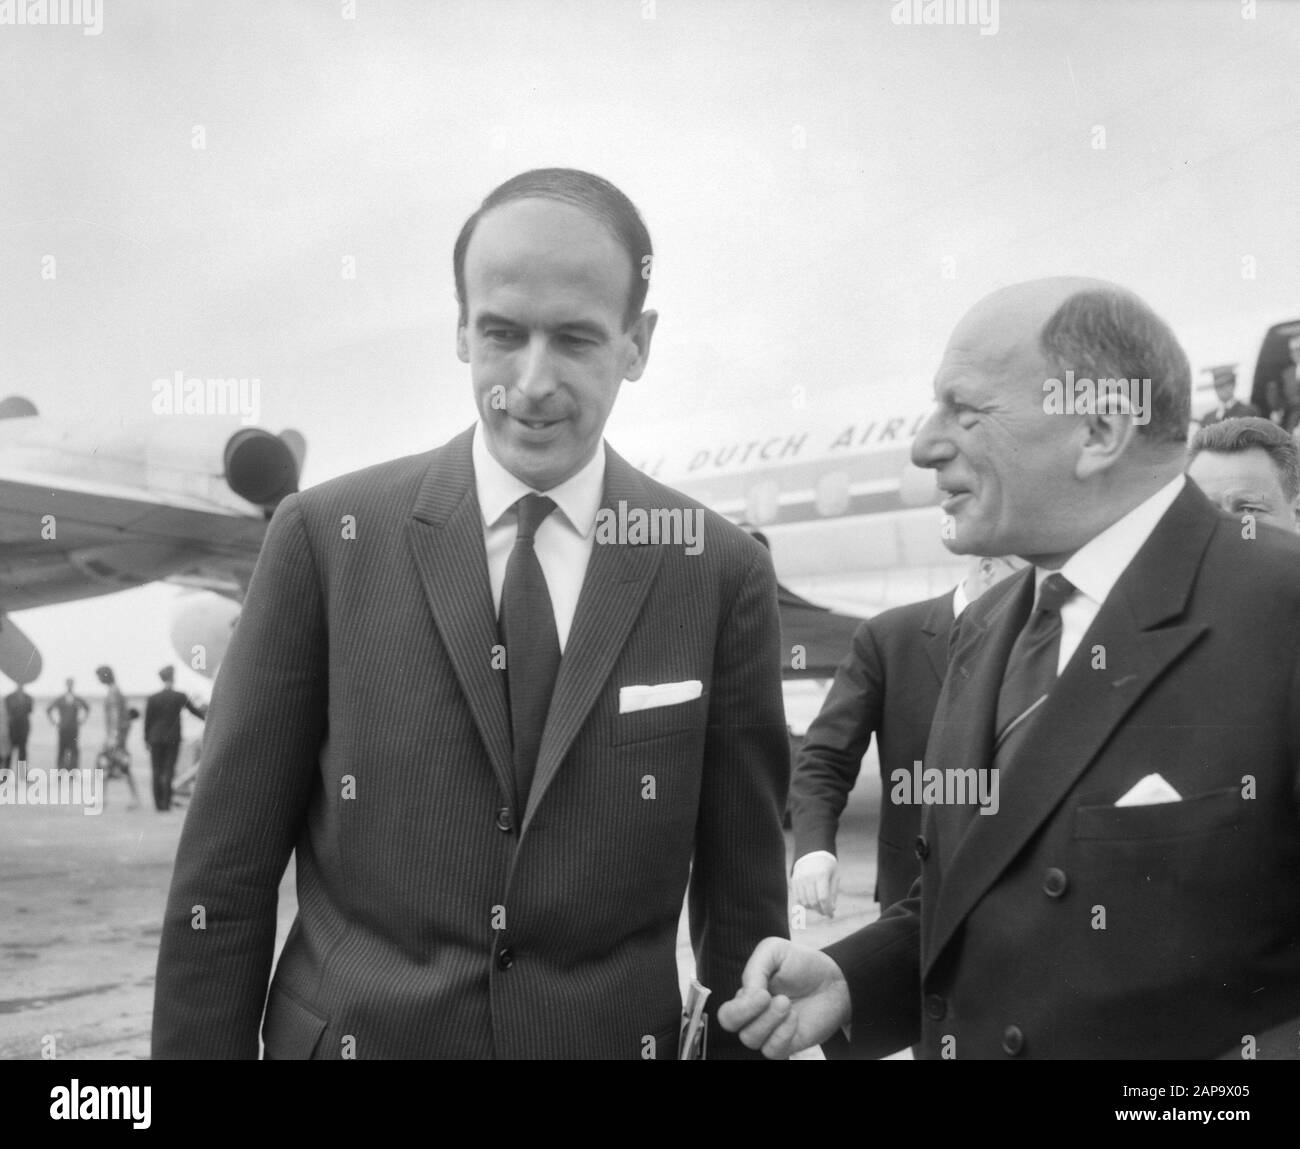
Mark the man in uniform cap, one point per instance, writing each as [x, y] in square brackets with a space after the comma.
[1228, 407]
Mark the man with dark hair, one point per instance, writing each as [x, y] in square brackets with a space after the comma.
[162, 734]
[596, 198]
[1250, 467]
[1132, 893]
[501, 738]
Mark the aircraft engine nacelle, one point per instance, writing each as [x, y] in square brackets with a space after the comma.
[201, 628]
[260, 467]
[19, 658]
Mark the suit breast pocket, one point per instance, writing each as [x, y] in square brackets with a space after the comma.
[1217, 811]
[658, 721]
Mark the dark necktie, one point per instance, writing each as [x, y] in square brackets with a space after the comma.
[1031, 669]
[531, 641]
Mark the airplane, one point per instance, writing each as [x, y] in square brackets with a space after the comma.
[90, 510]
[850, 521]
[852, 524]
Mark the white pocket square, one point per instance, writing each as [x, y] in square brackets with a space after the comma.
[1150, 791]
[632, 698]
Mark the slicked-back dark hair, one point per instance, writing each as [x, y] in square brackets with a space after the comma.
[1232, 435]
[1109, 333]
[597, 197]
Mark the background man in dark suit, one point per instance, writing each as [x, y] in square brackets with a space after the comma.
[486, 868]
[162, 734]
[887, 685]
[1249, 467]
[18, 715]
[1135, 893]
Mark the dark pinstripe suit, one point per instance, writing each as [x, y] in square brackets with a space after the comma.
[359, 720]
[888, 684]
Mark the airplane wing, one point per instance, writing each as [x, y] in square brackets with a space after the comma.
[68, 542]
[87, 511]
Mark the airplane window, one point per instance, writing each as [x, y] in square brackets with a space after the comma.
[832, 494]
[762, 503]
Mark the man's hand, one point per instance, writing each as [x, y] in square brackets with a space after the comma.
[815, 882]
[790, 998]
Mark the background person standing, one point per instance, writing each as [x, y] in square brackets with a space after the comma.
[162, 733]
[18, 714]
[68, 712]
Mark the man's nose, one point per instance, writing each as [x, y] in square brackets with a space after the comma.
[536, 371]
[931, 448]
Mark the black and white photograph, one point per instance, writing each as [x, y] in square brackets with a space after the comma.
[651, 529]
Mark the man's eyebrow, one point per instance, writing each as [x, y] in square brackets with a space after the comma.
[573, 326]
[584, 327]
[490, 318]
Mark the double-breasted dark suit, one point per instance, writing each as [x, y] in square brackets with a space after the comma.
[361, 720]
[1068, 926]
[888, 684]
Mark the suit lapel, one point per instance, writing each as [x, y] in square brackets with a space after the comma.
[936, 628]
[963, 731]
[1086, 706]
[445, 533]
[617, 581]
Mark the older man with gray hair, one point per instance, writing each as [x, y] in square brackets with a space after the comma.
[1134, 893]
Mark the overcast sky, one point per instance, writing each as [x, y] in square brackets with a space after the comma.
[827, 191]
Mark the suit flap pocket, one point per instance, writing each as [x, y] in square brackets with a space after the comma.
[290, 1031]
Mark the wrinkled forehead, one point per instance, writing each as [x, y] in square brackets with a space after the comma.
[996, 346]
[1000, 337]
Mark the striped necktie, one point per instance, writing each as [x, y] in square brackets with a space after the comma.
[1031, 669]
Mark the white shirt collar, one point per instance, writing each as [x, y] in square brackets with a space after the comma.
[1095, 567]
[578, 497]
[960, 600]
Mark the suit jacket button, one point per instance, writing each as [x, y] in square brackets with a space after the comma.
[1054, 882]
[1013, 1041]
[505, 820]
[506, 958]
[921, 848]
[935, 1006]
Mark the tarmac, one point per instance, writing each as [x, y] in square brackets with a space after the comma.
[82, 897]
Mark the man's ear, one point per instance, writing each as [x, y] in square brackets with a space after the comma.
[642, 331]
[462, 344]
[1109, 435]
